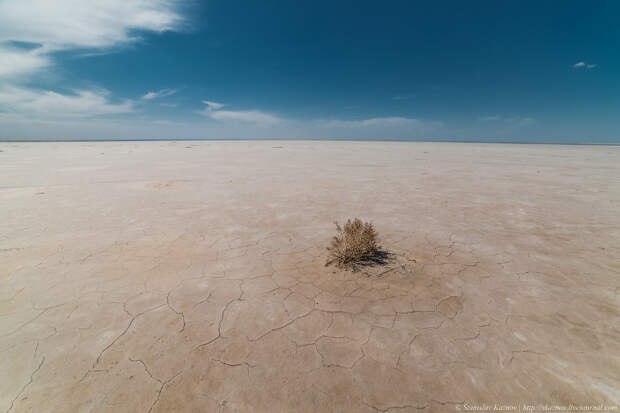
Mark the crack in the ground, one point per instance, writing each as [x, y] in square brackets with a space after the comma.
[179, 313]
[123, 333]
[30, 380]
[219, 326]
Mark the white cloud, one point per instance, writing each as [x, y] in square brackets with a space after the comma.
[387, 127]
[75, 24]
[520, 121]
[584, 64]
[253, 116]
[489, 118]
[248, 116]
[378, 127]
[61, 25]
[19, 102]
[213, 105]
[16, 62]
[160, 94]
[514, 120]
[385, 121]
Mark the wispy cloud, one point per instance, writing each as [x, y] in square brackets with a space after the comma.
[402, 97]
[19, 62]
[585, 65]
[81, 24]
[213, 111]
[159, 94]
[213, 105]
[388, 126]
[73, 24]
[391, 120]
[254, 116]
[489, 118]
[521, 121]
[65, 25]
[511, 120]
[16, 102]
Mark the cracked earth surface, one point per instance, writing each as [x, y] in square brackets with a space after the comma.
[189, 276]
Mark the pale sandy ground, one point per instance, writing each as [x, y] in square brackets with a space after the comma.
[188, 276]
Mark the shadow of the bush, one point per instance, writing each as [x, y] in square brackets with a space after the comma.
[377, 258]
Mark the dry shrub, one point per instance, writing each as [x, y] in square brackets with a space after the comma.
[357, 244]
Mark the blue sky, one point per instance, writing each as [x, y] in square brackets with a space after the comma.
[165, 69]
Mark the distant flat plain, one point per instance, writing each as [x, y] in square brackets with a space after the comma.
[189, 276]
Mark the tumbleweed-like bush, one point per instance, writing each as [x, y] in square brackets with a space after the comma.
[357, 244]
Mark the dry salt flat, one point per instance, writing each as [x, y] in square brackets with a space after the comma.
[189, 276]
